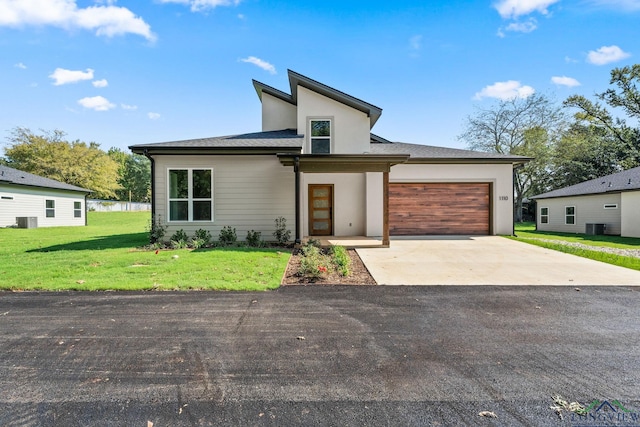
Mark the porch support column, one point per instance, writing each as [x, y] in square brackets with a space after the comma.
[385, 208]
[296, 169]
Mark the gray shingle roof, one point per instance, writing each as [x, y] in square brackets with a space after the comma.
[622, 181]
[287, 138]
[417, 151]
[14, 176]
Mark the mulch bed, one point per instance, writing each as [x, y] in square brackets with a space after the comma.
[359, 273]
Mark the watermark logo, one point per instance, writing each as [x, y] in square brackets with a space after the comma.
[605, 412]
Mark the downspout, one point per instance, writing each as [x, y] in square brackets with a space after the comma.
[513, 185]
[153, 184]
[296, 169]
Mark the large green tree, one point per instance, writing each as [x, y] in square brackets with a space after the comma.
[50, 155]
[525, 127]
[601, 140]
[134, 176]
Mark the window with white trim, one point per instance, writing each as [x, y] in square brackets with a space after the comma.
[544, 215]
[190, 195]
[320, 136]
[77, 209]
[570, 215]
[50, 208]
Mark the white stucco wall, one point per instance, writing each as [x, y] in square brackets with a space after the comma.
[630, 213]
[350, 127]
[588, 209]
[349, 193]
[20, 201]
[249, 193]
[500, 175]
[277, 114]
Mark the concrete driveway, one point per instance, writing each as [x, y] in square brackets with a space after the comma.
[486, 260]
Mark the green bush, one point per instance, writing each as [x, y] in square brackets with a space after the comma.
[282, 234]
[204, 236]
[254, 238]
[227, 236]
[313, 263]
[179, 239]
[340, 258]
[156, 230]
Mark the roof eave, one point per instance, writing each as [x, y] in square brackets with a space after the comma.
[149, 150]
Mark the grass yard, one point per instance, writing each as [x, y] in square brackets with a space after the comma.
[562, 242]
[105, 255]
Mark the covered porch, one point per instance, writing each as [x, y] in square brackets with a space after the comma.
[320, 211]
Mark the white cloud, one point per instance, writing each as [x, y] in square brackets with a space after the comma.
[63, 77]
[512, 9]
[106, 20]
[523, 27]
[260, 63]
[153, 116]
[606, 55]
[200, 5]
[565, 81]
[505, 90]
[100, 83]
[97, 103]
[128, 107]
[415, 42]
[21, 66]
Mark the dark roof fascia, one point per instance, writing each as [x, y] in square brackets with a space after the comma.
[335, 163]
[185, 151]
[477, 160]
[296, 79]
[263, 88]
[79, 190]
[542, 197]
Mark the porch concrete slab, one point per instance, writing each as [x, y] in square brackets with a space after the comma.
[486, 260]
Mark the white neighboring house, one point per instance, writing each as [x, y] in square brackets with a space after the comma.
[40, 202]
[316, 163]
[610, 205]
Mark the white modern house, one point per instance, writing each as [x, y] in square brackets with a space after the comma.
[30, 201]
[606, 205]
[316, 163]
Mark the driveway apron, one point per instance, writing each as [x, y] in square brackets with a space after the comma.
[486, 260]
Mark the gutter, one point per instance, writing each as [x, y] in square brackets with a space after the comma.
[145, 153]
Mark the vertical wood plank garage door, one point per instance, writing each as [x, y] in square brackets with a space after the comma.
[439, 208]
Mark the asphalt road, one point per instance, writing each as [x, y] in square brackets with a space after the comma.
[347, 356]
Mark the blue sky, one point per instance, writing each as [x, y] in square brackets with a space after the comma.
[129, 72]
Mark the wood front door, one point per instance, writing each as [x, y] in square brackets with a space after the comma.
[320, 210]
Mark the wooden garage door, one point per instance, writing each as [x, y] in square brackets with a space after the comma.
[438, 208]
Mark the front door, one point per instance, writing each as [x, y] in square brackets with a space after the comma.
[320, 210]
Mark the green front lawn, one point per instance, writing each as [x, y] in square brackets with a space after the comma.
[105, 255]
[526, 232]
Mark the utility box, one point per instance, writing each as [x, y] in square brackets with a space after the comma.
[595, 229]
[27, 221]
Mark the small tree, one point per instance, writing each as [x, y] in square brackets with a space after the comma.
[282, 234]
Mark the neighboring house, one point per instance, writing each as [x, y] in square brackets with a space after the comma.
[40, 202]
[317, 164]
[612, 201]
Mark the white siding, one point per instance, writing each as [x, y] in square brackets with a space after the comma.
[589, 209]
[349, 201]
[277, 114]
[630, 214]
[500, 175]
[350, 127]
[21, 201]
[249, 193]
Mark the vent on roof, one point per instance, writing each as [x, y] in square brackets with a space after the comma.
[609, 184]
[629, 183]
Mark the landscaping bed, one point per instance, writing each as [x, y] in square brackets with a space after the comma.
[358, 275]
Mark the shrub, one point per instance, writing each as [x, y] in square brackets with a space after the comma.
[179, 239]
[201, 238]
[156, 230]
[254, 238]
[313, 263]
[341, 259]
[282, 234]
[227, 236]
